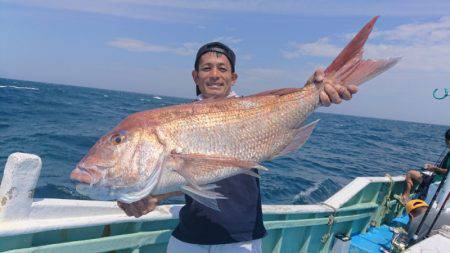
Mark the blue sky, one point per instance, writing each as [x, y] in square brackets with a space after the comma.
[149, 46]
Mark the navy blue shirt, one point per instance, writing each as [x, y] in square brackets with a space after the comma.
[239, 220]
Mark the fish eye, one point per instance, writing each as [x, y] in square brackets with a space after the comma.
[117, 138]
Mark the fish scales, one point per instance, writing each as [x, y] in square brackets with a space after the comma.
[244, 140]
[238, 130]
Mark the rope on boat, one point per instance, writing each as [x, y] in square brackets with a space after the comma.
[387, 197]
[330, 223]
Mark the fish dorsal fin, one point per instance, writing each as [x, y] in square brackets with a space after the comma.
[212, 100]
[278, 92]
[300, 137]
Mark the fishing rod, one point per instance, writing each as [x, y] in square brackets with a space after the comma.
[438, 214]
[441, 157]
[438, 161]
[416, 234]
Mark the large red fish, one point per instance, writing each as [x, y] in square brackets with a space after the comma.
[190, 146]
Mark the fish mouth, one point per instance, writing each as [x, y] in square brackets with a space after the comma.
[87, 175]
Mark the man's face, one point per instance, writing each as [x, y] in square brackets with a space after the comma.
[448, 143]
[214, 77]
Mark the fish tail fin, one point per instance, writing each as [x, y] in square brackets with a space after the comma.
[350, 69]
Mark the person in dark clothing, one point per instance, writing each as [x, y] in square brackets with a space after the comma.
[435, 174]
[238, 227]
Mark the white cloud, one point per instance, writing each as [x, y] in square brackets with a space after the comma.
[305, 7]
[423, 46]
[118, 8]
[428, 32]
[321, 47]
[253, 80]
[273, 76]
[264, 73]
[414, 57]
[193, 10]
[186, 49]
[228, 39]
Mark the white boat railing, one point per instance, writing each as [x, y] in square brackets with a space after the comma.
[20, 214]
[75, 224]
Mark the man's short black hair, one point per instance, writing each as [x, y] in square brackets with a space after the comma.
[447, 135]
[218, 48]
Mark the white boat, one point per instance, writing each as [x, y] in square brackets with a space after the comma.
[62, 225]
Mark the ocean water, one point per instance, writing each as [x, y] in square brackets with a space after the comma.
[60, 123]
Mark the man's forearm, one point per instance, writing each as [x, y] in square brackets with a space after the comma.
[161, 197]
[145, 205]
[440, 170]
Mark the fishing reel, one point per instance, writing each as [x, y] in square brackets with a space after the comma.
[399, 239]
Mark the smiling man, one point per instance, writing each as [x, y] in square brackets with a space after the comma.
[238, 227]
[214, 72]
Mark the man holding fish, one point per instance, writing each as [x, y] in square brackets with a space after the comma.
[210, 149]
[238, 226]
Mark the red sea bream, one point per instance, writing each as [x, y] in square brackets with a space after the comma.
[188, 147]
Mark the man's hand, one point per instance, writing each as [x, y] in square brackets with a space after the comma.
[140, 207]
[435, 169]
[333, 91]
[430, 167]
[145, 205]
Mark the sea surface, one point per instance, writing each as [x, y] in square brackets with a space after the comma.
[60, 123]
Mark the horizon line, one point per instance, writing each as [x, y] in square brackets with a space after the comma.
[141, 93]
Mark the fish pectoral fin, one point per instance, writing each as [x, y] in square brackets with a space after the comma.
[299, 139]
[211, 162]
[250, 173]
[209, 187]
[204, 195]
[195, 167]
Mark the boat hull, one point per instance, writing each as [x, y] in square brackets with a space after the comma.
[61, 225]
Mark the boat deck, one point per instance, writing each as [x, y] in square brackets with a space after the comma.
[377, 238]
